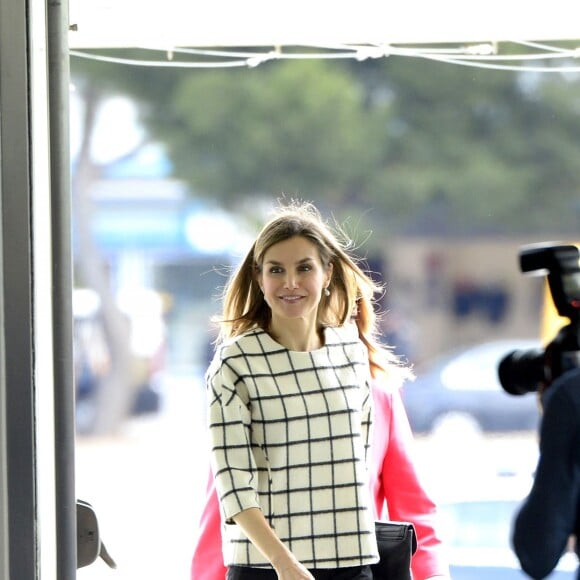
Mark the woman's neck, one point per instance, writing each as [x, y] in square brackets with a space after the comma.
[297, 335]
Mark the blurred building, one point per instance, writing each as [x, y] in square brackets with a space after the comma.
[155, 235]
[457, 292]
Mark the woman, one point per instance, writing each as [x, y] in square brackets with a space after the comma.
[290, 406]
[395, 485]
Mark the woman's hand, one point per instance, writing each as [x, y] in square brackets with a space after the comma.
[258, 531]
[289, 568]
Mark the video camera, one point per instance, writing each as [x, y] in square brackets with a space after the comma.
[524, 371]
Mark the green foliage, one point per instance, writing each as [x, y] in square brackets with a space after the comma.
[289, 127]
[485, 148]
[416, 145]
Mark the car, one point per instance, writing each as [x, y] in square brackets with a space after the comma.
[476, 524]
[461, 391]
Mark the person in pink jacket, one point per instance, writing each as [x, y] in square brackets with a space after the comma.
[395, 486]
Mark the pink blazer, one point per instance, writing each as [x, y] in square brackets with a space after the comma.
[397, 492]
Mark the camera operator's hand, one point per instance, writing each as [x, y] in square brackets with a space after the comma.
[542, 387]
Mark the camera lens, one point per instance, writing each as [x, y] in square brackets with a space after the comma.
[521, 371]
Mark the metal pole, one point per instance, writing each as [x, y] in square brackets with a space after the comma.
[58, 65]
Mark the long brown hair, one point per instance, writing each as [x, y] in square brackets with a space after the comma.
[352, 291]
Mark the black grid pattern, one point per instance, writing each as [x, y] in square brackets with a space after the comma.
[290, 435]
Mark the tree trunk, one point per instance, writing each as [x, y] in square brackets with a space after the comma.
[116, 390]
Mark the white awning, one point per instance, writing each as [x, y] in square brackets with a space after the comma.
[223, 23]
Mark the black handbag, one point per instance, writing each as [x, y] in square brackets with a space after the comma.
[397, 543]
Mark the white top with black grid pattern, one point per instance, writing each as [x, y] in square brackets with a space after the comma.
[290, 435]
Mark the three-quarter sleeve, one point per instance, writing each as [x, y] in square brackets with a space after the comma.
[231, 455]
[398, 491]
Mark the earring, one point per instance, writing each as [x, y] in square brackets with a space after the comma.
[327, 292]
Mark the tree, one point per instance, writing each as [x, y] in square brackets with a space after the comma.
[489, 150]
[116, 390]
[495, 148]
[291, 127]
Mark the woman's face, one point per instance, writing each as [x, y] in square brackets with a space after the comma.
[293, 279]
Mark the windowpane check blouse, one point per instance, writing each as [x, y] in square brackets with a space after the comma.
[289, 435]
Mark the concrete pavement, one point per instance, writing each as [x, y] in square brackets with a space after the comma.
[147, 486]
